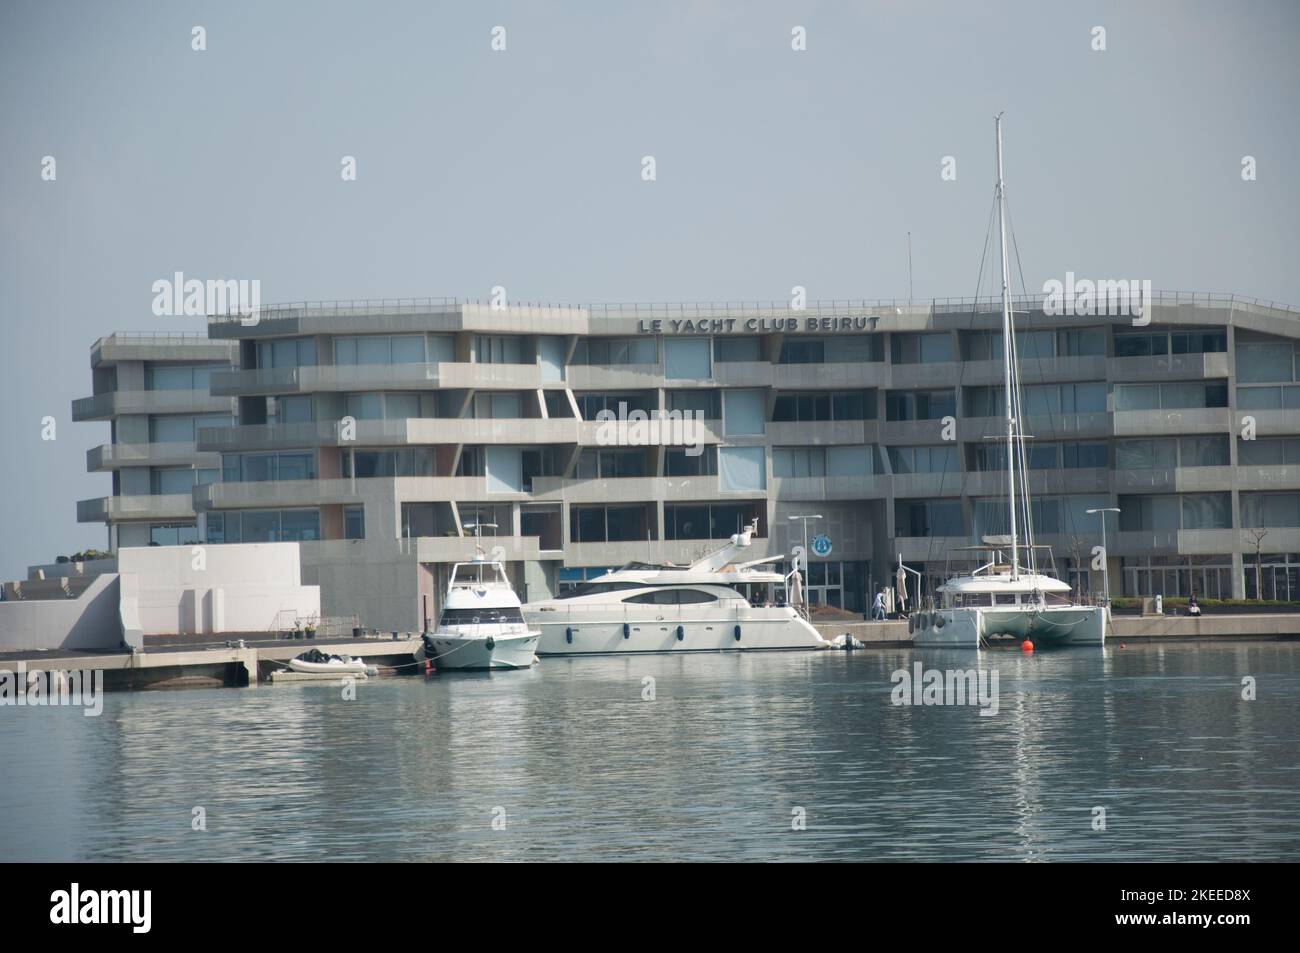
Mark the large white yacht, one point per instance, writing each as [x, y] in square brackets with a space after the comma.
[713, 604]
[481, 626]
[1009, 597]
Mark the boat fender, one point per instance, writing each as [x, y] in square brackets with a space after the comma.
[737, 633]
[925, 620]
[681, 632]
[938, 621]
[568, 635]
[490, 643]
[627, 631]
[911, 625]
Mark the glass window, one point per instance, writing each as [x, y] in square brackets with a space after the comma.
[408, 349]
[687, 359]
[364, 406]
[403, 406]
[680, 463]
[743, 412]
[1211, 451]
[1259, 362]
[743, 468]
[732, 349]
[797, 351]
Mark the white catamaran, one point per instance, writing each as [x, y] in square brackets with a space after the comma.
[1009, 598]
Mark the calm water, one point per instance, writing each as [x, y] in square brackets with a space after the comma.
[712, 769]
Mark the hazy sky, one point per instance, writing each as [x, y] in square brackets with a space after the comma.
[522, 168]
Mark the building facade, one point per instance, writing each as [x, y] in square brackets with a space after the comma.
[153, 391]
[381, 434]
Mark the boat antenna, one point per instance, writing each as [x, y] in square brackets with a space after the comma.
[1007, 358]
[478, 535]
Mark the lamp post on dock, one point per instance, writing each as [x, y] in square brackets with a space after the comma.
[1105, 555]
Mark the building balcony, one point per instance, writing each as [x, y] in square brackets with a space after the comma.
[1271, 423]
[111, 509]
[450, 549]
[1266, 478]
[374, 377]
[1154, 423]
[112, 404]
[390, 433]
[669, 433]
[933, 550]
[811, 489]
[1041, 482]
[1040, 427]
[527, 430]
[823, 433]
[628, 489]
[112, 456]
[921, 376]
[619, 377]
[1176, 480]
[1042, 370]
[679, 551]
[1169, 367]
[1190, 542]
[169, 348]
[400, 316]
[837, 375]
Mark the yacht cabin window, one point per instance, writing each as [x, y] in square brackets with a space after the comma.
[672, 597]
[1006, 600]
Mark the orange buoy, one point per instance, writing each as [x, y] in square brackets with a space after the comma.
[1026, 646]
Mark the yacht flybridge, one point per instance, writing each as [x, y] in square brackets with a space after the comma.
[1011, 597]
[713, 604]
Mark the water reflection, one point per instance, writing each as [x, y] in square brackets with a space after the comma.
[581, 766]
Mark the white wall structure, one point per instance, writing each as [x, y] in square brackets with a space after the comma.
[87, 622]
[207, 590]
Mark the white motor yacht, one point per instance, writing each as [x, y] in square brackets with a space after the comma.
[481, 626]
[713, 604]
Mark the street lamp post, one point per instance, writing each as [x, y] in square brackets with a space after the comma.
[811, 516]
[1105, 555]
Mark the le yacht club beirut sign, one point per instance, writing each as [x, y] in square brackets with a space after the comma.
[828, 324]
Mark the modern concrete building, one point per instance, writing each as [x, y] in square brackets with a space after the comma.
[152, 389]
[376, 432]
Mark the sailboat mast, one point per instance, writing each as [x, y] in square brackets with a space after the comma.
[1007, 349]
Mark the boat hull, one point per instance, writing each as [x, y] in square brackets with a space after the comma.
[1051, 626]
[566, 636]
[473, 652]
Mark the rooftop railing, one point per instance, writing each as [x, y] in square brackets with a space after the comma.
[384, 306]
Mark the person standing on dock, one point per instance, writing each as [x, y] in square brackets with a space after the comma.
[878, 607]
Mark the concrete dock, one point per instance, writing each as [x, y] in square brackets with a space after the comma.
[188, 662]
[197, 664]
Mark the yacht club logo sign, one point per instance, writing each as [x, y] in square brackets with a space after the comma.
[638, 428]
